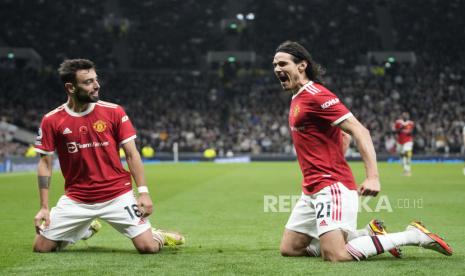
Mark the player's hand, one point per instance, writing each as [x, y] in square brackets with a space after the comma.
[145, 205]
[370, 187]
[42, 215]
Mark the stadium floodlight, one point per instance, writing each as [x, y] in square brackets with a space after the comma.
[250, 16]
[240, 16]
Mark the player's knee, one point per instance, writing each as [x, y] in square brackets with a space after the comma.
[331, 257]
[149, 248]
[38, 248]
[289, 251]
[286, 252]
[42, 245]
[335, 256]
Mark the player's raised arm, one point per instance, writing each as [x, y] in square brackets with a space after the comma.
[137, 171]
[44, 174]
[346, 138]
[370, 185]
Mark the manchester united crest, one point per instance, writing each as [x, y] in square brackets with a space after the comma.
[296, 111]
[100, 126]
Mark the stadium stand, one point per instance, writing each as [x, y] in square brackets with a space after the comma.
[172, 96]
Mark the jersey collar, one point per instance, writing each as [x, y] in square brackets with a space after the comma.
[79, 114]
[302, 89]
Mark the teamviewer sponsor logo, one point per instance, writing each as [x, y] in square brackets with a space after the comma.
[72, 147]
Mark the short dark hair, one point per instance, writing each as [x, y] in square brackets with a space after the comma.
[69, 67]
[314, 70]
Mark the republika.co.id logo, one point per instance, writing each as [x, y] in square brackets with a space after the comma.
[286, 203]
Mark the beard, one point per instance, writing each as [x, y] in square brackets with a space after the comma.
[84, 97]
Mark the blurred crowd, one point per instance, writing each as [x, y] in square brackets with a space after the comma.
[174, 34]
[250, 113]
[172, 97]
[57, 29]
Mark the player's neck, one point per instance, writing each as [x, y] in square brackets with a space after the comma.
[76, 106]
[300, 84]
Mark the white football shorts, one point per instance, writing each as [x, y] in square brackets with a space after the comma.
[69, 219]
[404, 148]
[333, 207]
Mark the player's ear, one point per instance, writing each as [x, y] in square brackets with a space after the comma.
[302, 66]
[69, 87]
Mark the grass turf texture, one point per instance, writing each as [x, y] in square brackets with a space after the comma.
[220, 209]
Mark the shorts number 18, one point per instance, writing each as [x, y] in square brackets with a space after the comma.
[133, 211]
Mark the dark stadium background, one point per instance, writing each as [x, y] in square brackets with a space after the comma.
[198, 73]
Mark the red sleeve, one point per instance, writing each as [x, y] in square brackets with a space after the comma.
[124, 129]
[327, 106]
[45, 141]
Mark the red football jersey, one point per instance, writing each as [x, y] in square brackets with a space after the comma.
[314, 113]
[87, 145]
[404, 131]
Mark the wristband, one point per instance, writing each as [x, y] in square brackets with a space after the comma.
[143, 189]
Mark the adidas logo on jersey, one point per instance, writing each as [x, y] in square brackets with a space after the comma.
[67, 131]
[323, 223]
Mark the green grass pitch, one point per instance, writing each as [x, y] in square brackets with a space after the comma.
[220, 209]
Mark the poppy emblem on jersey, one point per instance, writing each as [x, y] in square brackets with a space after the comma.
[83, 129]
[100, 126]
[296, 111]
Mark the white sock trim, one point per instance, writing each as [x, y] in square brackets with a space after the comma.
[357, 255]
[313, 249]
[158, 237]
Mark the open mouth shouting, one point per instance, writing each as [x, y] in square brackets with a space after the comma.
[284, 79]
